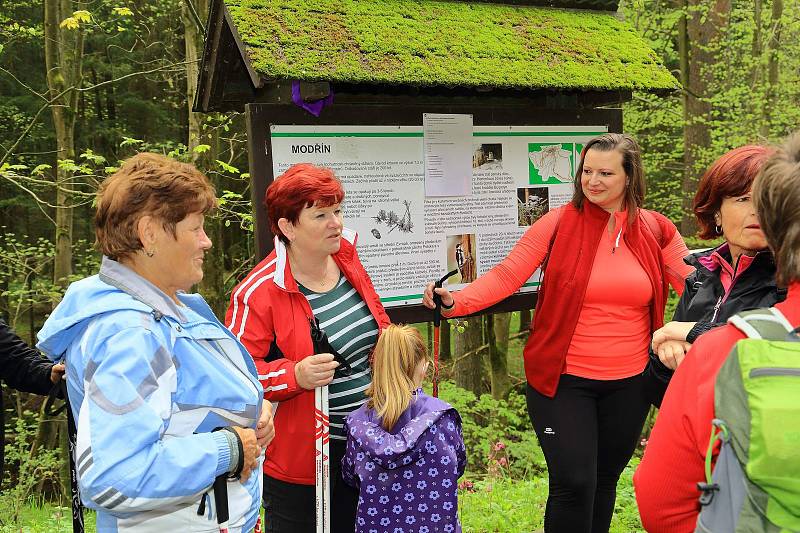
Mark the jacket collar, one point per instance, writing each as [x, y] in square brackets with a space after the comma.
[708, 261]
[283, 272]
[118, 275]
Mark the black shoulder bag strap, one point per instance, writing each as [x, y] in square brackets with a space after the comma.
[60, 389]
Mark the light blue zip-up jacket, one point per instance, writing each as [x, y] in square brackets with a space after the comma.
[148, 380]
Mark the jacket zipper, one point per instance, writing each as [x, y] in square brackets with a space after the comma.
[246, 376]
[716, 309]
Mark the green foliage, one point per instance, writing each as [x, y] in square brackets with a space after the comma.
[41, 517]
[486, 422]
[502, 505]
[26, 267]
[746, 107]
[31, 465]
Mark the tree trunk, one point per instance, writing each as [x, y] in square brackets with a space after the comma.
[757, 47]
[525, 320]
[64, 63]
[699, 27]
[772, 67]
[194, 13]
[467, 367]
[499, 325]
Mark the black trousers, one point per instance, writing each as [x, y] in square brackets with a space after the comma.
[291, 508]
[588, 433]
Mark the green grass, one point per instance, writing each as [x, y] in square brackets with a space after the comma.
[42, 517]
[505, 505]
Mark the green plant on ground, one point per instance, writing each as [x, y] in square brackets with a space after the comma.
[487, 422]
[506, 505]
[43, 517]
[31, 465]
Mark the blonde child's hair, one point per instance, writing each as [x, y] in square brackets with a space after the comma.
[399, 351]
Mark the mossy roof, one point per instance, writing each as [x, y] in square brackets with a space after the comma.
[444, 43]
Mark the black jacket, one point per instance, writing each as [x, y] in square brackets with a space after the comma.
[703, 292]
[701, 302]
[22, 368]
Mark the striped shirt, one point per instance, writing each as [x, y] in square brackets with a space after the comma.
[352, 331]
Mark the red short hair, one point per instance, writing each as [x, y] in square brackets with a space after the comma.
[301, 186]
[730, 175]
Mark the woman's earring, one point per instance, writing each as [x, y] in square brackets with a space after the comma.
[718, 229]
[150, 253]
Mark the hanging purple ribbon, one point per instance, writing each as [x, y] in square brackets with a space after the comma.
[315, 107]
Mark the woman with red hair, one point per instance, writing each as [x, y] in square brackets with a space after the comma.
[739, 274]
[311, 284]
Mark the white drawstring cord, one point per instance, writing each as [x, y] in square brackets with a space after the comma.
[616, 243]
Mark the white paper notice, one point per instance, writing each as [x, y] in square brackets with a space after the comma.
[447, 144]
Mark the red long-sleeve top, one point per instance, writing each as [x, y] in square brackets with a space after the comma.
[613, 330]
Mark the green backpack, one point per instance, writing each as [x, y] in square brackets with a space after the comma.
[755, 484]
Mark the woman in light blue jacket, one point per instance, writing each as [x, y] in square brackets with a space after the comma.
[166, 399]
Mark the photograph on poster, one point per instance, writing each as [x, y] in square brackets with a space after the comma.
[488, 157]
[550, 162]
[532, 203]
[461, 256]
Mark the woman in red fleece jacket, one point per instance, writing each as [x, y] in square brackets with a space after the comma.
[608, 267]
[673, 463]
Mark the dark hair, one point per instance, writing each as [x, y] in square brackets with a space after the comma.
[730, 175]
[147, 184]
[776, 194]
[301, 186]
[631, 164]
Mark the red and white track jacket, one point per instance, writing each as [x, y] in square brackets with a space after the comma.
[270, 316]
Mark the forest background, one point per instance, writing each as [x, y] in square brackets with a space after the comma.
[85, 84]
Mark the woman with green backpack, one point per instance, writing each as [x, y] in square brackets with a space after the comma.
[751, 392]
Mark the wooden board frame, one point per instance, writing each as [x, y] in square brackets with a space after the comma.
[386, 112]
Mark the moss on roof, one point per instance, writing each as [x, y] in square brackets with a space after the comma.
[441, 43]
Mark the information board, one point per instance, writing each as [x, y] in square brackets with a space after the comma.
[406, 239]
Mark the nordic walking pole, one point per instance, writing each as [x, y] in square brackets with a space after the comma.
[322, 450]
[437, 320]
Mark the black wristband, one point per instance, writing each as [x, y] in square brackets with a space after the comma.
[452, 305]
[240, 465]
[237, 471]
[698, 329]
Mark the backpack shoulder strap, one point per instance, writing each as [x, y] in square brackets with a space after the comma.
[768, 323]
[655, 228]
[543, 266]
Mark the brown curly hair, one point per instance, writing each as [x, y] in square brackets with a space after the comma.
[147, 184]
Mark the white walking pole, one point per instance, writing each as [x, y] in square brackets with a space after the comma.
[322, 450]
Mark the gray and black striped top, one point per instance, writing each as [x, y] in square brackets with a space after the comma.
[352, 331]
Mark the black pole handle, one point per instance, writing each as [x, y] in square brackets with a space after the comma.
[437, 313]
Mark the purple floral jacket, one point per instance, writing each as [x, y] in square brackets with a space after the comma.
[407, 478]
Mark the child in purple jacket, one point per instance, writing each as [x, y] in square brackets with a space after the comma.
[404, 452]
